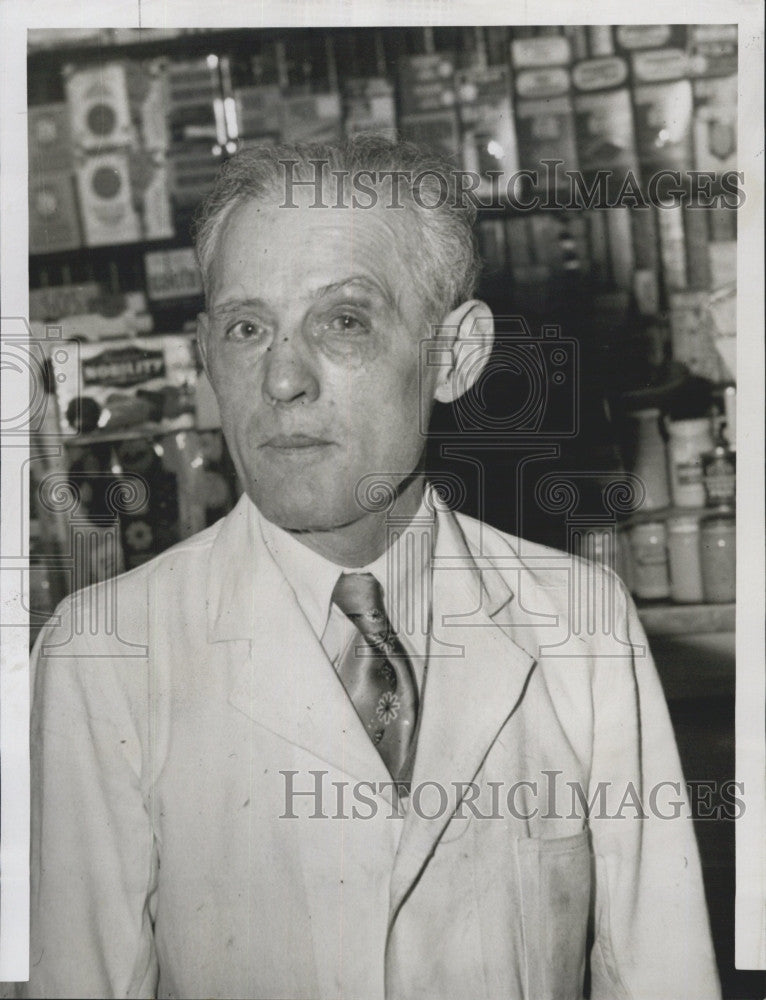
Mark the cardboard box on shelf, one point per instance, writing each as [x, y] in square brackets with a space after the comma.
[106, 200]
[545, 127]
[53, 218]
[172, 274]
[50, 142]
[148, 100]
[109, 317]
[150, 188]
[663, 114]
[486, 119]
[604, 118]
[99, 108]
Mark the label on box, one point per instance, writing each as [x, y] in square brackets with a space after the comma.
[106, 203]
[172, 274]
[50, 144]
[98, 106]
[642, 36]
[542, 83]
[661, 64]
[142, 383]
[53, 220]
[663, 114]
[552, 50]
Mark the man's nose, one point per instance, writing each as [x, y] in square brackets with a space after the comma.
[289, 375]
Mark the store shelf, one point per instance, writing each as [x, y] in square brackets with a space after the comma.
[686, 619]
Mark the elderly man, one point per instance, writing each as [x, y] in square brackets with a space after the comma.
[346, 742]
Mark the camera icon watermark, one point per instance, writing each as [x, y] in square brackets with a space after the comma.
[32, 368]
[528, 388]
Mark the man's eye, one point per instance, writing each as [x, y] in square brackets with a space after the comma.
[244, 329]
[346, 323]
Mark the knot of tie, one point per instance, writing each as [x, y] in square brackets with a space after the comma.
[360, 597]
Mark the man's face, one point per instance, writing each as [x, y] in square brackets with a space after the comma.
[312, 347]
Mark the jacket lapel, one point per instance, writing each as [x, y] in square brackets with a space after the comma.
[279, 674]
[476, 677]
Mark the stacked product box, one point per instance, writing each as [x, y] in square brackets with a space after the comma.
[486, 120]
[54, 222]
[117, 120]
[545, 125]
[427, 102]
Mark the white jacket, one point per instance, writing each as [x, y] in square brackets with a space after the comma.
[174, 706]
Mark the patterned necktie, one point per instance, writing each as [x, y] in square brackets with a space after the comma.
[377, 674]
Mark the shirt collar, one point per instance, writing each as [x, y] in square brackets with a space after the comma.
[312, 577]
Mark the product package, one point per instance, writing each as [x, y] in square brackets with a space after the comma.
[486, 120]
[106, 201]
[604, 120]
[545, 127]
[426, 83]
[172, 274]
[662, 97]
[145, 384]
[50, 142]
[53, 218]
[99, 107]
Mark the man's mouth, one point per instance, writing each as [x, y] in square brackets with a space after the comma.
[295, 442]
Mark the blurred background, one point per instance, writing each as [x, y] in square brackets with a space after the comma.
[605, 422]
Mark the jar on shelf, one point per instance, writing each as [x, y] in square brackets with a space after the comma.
[719, 468]
[688, 442]
[649, 462]
[648, 546]
[684, 558]
[719, 557]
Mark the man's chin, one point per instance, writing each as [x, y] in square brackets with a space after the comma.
[305, 518]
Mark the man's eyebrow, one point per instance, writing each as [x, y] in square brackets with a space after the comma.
[361, 281]
[232, 305]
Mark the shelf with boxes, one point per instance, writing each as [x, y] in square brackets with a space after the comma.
[128, 130]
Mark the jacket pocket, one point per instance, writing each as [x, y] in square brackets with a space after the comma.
[555, 884]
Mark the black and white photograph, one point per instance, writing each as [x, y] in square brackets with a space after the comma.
[382, 598]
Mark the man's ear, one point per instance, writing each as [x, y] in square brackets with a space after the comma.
[468, 332]
[203, 335]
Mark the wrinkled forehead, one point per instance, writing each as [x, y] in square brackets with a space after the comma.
[291, 239]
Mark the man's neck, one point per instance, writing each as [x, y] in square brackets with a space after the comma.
[362, 541]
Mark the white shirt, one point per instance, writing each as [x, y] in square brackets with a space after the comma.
[403, 570]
